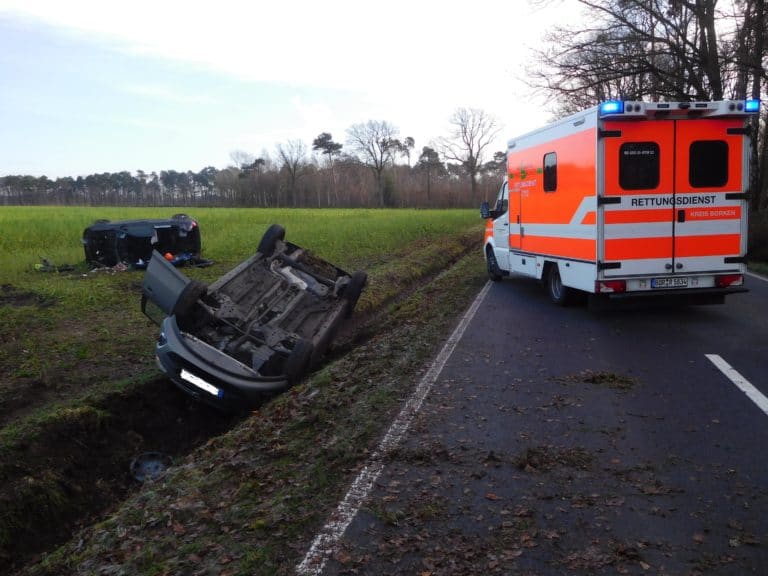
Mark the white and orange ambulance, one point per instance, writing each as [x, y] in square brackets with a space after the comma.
[628, 199]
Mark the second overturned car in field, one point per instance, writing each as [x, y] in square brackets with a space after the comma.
[253, 332]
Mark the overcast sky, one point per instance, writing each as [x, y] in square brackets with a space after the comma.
[90, 87]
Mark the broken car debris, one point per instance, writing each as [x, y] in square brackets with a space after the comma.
[131, 242]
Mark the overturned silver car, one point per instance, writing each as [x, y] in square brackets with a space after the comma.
[253, 332]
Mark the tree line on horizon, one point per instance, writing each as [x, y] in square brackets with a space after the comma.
[375, 167]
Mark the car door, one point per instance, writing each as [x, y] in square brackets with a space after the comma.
[501, 227]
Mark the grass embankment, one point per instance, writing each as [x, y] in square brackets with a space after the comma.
[249, 502]
[80, 394]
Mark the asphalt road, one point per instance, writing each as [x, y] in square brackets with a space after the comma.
[569, 441]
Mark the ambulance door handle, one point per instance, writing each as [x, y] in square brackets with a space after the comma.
[518, 218]
[681, 216]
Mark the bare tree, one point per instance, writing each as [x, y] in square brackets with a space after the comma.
[241, 158]
[472, 132]
[663, 50]
[374, 142]
[293, 156]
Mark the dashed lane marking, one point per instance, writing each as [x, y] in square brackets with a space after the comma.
[326, 541]
[741, 383]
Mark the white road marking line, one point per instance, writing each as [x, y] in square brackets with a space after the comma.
[327, 539]
[753, 275]
[741, 383]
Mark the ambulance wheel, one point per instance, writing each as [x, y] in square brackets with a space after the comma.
[559, 294]
[493, 266]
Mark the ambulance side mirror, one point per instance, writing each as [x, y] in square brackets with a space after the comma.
[485, 211]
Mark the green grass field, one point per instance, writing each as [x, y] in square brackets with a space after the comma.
[58, 327]
[343, 236]
[77, 359]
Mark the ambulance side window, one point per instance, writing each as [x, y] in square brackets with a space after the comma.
[502, 202]
[708, 163]
[639, 165]
[550, 172]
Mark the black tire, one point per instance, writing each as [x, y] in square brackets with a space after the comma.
[298, 360]
[184, 307]
[269, 241]
[181, 216]
[559, 294]
[353, 290]
[494, 272]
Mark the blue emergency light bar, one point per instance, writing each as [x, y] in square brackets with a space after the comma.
[752, 106]
[611, 107]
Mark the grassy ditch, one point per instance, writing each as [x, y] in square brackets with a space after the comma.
[249, 501]
[64, 462]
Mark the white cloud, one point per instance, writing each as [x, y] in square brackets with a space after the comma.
[410, 63]
[165, 94]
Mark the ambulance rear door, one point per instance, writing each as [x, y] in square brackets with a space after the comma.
[638, 197]
[673, 202]
[710, 207]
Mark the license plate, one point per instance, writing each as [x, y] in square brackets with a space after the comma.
[199, 383]
[674, 282]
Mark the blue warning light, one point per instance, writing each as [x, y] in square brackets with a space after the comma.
[752, 106]
[612, 107]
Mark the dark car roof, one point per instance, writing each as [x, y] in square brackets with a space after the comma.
[143, 227]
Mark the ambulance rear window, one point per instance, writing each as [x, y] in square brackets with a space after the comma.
[639, 165]
[708, 164]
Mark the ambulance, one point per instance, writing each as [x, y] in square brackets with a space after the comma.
[628, 199]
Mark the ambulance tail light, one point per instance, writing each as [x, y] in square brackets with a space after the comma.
[610, 286]
[727, 280]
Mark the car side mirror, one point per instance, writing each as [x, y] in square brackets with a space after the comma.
[485, 211]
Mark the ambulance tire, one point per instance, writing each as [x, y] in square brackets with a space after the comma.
[559, 294]
[494, 273]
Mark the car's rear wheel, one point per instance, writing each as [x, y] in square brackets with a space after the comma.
[353, 290]
[272, 236]
[298, 360]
